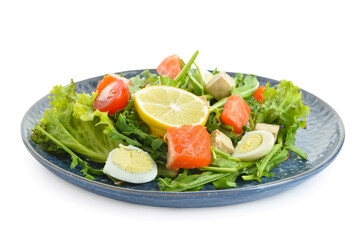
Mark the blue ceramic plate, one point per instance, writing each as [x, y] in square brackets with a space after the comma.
[321, 140]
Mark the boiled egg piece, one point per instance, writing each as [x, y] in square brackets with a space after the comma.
[254, 145]
[130, 164]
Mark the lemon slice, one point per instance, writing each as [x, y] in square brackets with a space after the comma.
[162, 107]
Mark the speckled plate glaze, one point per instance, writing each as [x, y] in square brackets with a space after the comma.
[321, 140]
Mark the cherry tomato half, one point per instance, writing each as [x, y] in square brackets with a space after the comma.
[113, 95]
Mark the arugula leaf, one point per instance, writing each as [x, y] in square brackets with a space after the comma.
[290, 138]
[163, 171]
[132, 133]
[213, 122]
[262, 164]
[278, 158]
[184, 181]
[196, 85]
[157, 143]
[217, 169]
[227, 181]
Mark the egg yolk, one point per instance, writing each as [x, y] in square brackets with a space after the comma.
[132, 160]
[250, 143]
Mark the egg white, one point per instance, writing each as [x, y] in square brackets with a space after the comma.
[263, 149]
[117, 172]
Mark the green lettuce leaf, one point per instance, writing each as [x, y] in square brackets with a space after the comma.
[283, 106]
[74, 123]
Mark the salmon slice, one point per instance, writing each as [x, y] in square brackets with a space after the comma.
[170, 66]
[188, 147]
[236, 113]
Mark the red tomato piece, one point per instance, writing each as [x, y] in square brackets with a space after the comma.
[113, 95]
[170, 66]
[258, 95]
[188, 147]
[236, 113]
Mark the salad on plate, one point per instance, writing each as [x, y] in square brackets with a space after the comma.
[183, 126]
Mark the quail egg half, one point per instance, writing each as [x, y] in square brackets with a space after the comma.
[254, 145]
[130, 164]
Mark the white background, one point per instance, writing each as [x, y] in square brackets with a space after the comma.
[316, 44]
